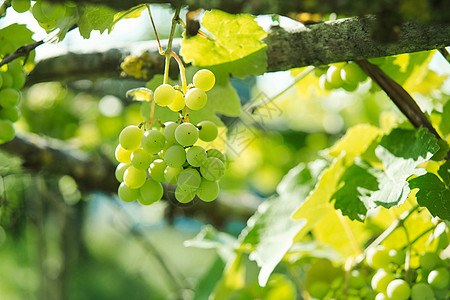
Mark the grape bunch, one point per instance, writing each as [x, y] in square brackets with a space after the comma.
[382, 276]
[47, 13]
[12, 78]
[169, 154]
[347, 77]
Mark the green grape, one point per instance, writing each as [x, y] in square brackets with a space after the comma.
[161, 153]
[7, 80]
[216, 153]
[318, 289]
[378, 257]
[324, 84]
[320, 70]
[334, 77]
[153, 141]
[38, 14]
[9, 98]
[175, 156]
[398, 289]
[171, 174]
[350, 86]
[397, 257]
[208, 190]
[120, 170]
[141, 159]
[196, 156]
[207, 131]
[184, 195]
[186, 134]
[381, 296]
[6, 131]
[439, 278]
[164, 95]
[429, 260]
[130, 137]
[204, 79]
[127, 194]
[195, 99]
[134, 178]
[189, 179]
[156, 170]
[213, 169]
[21, 5]
[53, 11]
[356, 280]
[1, 79]
[169, 132]
[351, 72]
[178, 102]
[122, 155]
[12, 114]
[17, 74]
[381, 280]
[150, 192]
[422, 291]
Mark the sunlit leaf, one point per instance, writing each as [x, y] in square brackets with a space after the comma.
[140, 94]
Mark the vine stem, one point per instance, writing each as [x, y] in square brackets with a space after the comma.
[154, 28]
[22, 51]
[4, 7]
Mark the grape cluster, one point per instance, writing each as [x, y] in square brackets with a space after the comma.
[47, 13]
[149, 157]
[382, 275]
[12, 78]
[347, 77]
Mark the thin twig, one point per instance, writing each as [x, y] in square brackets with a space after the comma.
[22, 51]
[4, 7]
[445, 54]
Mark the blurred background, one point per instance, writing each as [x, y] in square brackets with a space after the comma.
[61, 241]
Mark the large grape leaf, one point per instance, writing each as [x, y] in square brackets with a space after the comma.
[235, 43]
[13, 37]
[95, 17]
[434, 193]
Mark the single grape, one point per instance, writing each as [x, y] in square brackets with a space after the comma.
[422, 291]
[207, 131]
[175, 156]
[208, 190]
[334, 77]
[213, 169]
[21, 6]
[397, 257]
[204, 79]
[380, 280]
[356, 280]
[127, 194]
[351, 72]
[122, 155]
[169, 132]
[150, 192]
[178, 102]
[130, 137]
[7, 80]
[164, 95]
[9, 98]
[398, 289]
[6, 131]
[189, 179]
[156, 170]
[429, 261]
[439, 278]
[120, 170]
[171, 174]
[12, 114]
[318, 289]
[134, 178]
[141, 159]
[15, 69]
[350, 86]
[53, 11]
[184, 195]
[38, 14]
[186, 134]
[195, 99]
[216, 153]
[378, 257]
[381, 296]
[320, 70]
[153, 141]
[196, 156]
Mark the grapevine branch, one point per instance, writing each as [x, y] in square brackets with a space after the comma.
[22, 51]
[445, 53]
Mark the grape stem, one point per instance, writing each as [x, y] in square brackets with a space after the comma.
[154, 29]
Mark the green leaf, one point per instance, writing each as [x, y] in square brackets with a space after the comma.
[13, 37]
[95, 17]
[233, 279]
[235, 42]
[444, 126]
[270, 231]
[207, 282]
[133, 12]
[433, 193]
